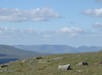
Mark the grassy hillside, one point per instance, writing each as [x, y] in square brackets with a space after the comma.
[48, 65]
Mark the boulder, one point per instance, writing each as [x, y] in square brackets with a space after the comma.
[64, 67]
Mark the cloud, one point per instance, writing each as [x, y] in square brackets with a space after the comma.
[45, 34]
[72, 30]
[97, 25]
[64, 35]
[94, 12]
[17, 15]
[3, 29]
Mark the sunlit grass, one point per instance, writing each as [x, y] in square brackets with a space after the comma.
[50, 67]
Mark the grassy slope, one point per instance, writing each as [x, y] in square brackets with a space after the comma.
[32, 67]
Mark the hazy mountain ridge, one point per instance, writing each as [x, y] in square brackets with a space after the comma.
[53, 49]
[89, 48]
[58, 49]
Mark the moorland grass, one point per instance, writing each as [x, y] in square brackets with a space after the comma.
[50, 67]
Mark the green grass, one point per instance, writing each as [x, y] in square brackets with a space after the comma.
[49, 66]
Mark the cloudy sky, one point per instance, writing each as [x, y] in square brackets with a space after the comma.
[67, 22]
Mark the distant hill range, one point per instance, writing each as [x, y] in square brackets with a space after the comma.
[28, 51]
[89, 49]
[11, 53]
[59, 49]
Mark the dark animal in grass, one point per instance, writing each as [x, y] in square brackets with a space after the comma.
[85, 63]
[4, 65]
[39, 57]
[82, 63]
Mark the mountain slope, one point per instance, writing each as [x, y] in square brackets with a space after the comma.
[10, 51]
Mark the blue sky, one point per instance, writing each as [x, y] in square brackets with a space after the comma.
[69, 22]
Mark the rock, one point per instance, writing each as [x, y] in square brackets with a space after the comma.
[43, 61]
[57, 58]
[64, 67]
[79, 70]
[6, 71]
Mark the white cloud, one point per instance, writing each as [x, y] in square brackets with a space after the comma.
[17, 15]
[94, 12]
[13, 31]
[3, 29]
[30, 32]
[65, 35]
[72, 30]
[98, 25]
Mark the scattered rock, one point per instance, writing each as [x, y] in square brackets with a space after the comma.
[23, 61]
[98, 63]
[43, 61]
[57, 58]
[79, 70]
[6, 71]
[64, 67]
[79, 55]
[42, 68]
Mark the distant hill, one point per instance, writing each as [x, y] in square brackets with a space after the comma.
[12, 53]
[59, 49]
[52, 49]
[7, 51]
[89, 49]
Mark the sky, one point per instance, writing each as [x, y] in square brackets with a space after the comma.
[64, 22]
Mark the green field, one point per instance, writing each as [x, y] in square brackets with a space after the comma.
[48, 65]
